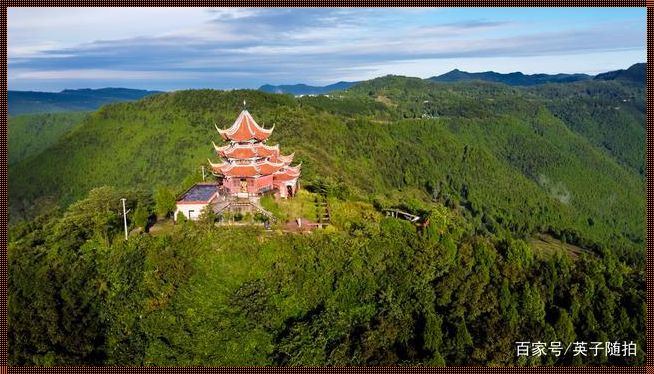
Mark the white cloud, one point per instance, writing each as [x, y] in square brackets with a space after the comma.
[299, 44]
[68, 27]
[90, 74]
[589, 63]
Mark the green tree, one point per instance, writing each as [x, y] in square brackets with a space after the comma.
[141, 216]
[533, 307]
[207, 216]
[164, 201]
[98, 215]
[181, 218]
[462, 342]
[565, 330]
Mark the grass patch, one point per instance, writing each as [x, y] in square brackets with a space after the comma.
[547, 246]
[303, 204]
[162, 227]
[268, 203]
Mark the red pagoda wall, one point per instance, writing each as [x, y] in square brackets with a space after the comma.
[265, 182]
[233, 185]
[282, 187]
[255, 185]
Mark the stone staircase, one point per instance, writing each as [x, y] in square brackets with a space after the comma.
[260, 209]
[242, 204]
[322, 210]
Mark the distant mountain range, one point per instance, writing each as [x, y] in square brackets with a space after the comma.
[512, 79]
[24, 102]
[636, 73]
[303, 89]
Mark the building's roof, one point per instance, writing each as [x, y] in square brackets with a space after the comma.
[246, 145]
[267, 167]
[245, 128]
[199, 193]
[241, 171]
[287, 174]
[281, 158]
[246, 170]
[248, 150]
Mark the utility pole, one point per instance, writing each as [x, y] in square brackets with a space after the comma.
[203, 173]
[125, 216]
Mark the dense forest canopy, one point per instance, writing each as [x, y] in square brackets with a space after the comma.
[31, 134]
[499, 170]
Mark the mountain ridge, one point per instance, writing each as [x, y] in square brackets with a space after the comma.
[512, 79]
[69, 100]
[634, 73]
[304, 89]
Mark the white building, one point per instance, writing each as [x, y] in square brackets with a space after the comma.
[195, 199]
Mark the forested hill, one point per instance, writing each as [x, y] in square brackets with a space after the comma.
[24, 102]
[636, 73]
[303, 89]
[536, 199]
[570, 156]
[30, 134]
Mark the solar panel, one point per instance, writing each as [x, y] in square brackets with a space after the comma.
[200, 192]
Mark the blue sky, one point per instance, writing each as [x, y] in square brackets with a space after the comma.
[51, 49]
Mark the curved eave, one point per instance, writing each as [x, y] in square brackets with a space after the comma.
[249, 151]
[241, 171]
[284, 177]
[220, 168]
[267, 167]
[286, 159]
[288, 173]
[273, 164]
[220, 150]
[271, 148]
[295, 169]
[223, 133]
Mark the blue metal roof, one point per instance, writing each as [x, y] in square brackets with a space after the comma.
[200, 192]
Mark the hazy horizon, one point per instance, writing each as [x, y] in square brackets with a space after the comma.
[280, 84]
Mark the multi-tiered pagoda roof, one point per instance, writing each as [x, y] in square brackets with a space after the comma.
[250, 166]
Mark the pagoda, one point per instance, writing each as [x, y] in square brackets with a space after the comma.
[248, 166]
